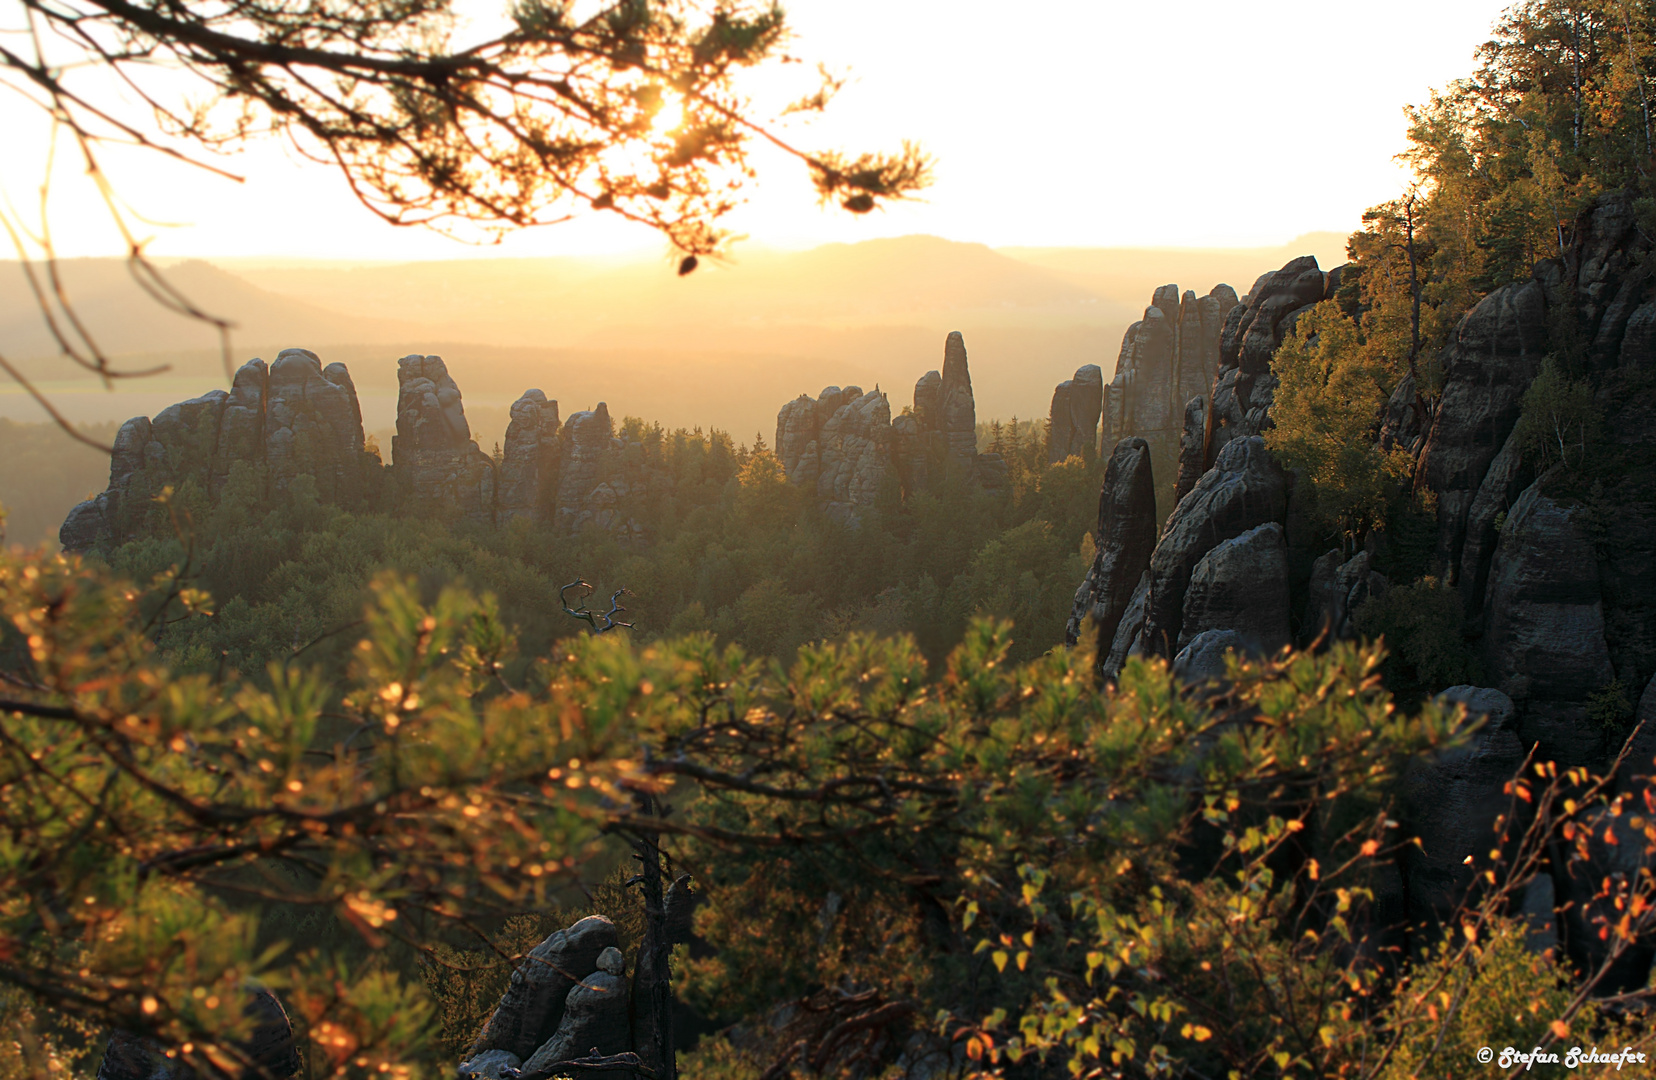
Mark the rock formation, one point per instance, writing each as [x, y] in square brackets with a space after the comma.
[1339, 586]
[532, 1008]
[1452, 802]
[1244, 387]
[293, 418]
[840, 444]
[530, 460]
[844, 444]
[1244, 489]
[1125, 536]
[1241, 586]
[1544, 645]
[1166, 358]
[959, 419]
[433, 454]
[1072, 423]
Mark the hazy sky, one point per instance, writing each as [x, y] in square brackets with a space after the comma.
[1103, 123]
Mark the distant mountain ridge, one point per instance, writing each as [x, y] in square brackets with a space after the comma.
[717, 348]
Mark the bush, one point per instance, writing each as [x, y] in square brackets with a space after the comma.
[1421, 626]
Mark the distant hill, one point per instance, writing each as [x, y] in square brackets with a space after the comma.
[723, 347]
[123, 318]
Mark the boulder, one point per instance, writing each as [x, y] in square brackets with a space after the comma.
[1203, 658]
[1243, 490]
[1125, 535]
[595, 1020]
[532, 1008]
[1241, 584]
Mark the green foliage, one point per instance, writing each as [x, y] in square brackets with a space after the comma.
[1505, 996]
[1421, 627]
[1001, 856]
[1331, 389]
[1557, 419]
[730, 547]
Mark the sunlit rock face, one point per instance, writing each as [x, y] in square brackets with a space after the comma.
[529, 462]
[845, 445]
[1167, 358]
[1072, 422]
[433, 455]
[293, 418]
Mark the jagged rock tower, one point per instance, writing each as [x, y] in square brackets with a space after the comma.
[1167, 358]
[274, 424]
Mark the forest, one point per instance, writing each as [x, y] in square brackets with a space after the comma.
[847, 799]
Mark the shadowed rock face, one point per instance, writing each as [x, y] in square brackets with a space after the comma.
[1241, 585]
[1544, 643]
[1244, 489]
[1192, 440]
[1338, 587]
[1244, 387]
[533, 1006]
[1073, 420]
[1495, 353]
[959, 409]
[1452, 801]
[1125, 535]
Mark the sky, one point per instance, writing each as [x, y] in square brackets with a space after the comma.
[1066, 123]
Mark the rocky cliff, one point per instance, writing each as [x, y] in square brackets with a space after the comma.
[1555, 574]
[296, 418]
[1167, 358]
[844, 444]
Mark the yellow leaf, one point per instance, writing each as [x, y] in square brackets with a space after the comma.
[1315, 870]
[1201, 1034]
[1023, 960]
[1561, 1029]
[1000, 958]
[1370, 846]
